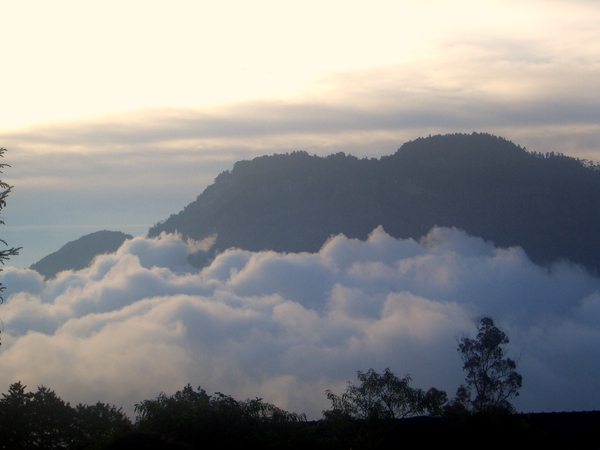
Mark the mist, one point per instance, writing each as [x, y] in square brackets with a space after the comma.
[286, 327]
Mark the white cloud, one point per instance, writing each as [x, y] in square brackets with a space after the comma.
[286, 327]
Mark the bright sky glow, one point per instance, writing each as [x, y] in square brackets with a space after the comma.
[69, 59]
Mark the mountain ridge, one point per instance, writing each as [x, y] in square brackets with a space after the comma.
[79, 254]
[549, 204]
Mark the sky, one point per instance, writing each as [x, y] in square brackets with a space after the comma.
[117, 114]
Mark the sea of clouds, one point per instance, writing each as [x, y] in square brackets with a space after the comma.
[286, 327]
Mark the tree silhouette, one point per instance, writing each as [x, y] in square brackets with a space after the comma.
[42, 420]
[491, 377]
[384, 396]
[218, 421]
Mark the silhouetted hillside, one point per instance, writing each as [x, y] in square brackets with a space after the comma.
[548, 204]
[79, 254]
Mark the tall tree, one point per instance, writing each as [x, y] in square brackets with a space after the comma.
[491, 378]
[15, 417]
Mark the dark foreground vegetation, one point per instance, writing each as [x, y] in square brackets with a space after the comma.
[191, 419]
[380, 411]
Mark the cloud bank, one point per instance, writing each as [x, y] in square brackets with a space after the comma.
[286, 327]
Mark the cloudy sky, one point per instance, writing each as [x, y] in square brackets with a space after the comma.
[117, 114]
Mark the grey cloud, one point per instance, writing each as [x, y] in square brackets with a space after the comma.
[266, 121]
[498, 82]
[288, 326]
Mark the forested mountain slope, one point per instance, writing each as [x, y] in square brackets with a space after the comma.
[548, 204]
[78, 254]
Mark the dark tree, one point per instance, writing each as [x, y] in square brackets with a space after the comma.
[29, 420]
[15, 417]
[52, 420]
[492, 378]
[201, 420]
[4, 191]
[98, 423]
[384, 396]
[42, 420]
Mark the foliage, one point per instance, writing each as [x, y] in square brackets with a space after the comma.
[41, 420]
[15, 419]
[384, 396]
[193, 419]
[4, 191]
[434, 401]
[188, 404]
[99, 422]
[220, 420]
[51, 419]
[491, 376]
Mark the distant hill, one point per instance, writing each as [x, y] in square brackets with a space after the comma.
[549, 204]
[79, 254]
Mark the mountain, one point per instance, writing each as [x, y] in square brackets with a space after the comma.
[549, 204]
[78, 254]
